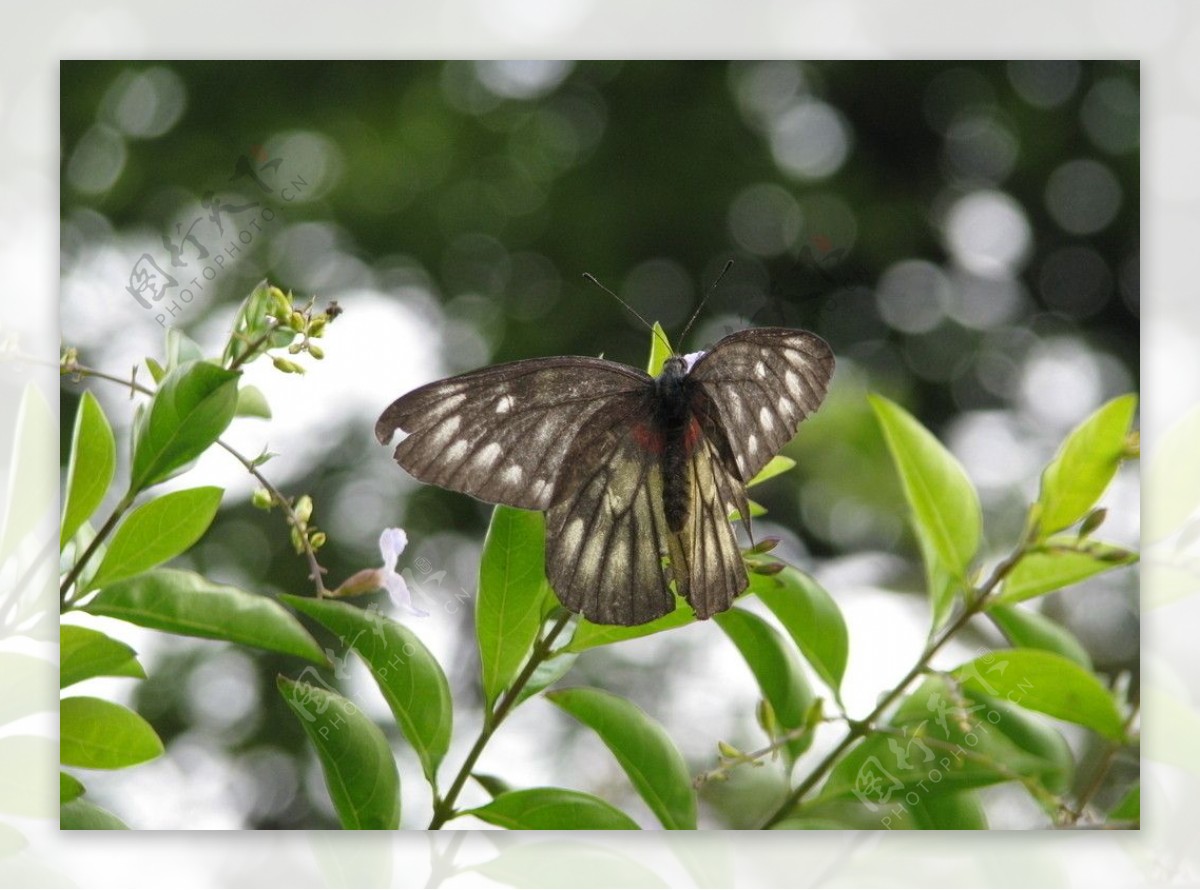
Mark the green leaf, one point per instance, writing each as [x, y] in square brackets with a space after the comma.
[192, 407]
[156, 531]
[186, 603]
[589, 635]
[512, 586]
[32, 470]
[181, 349]
[1083, 467]
[945, 507]
[549, 809]
[811, 617]
[660, 350]
[953, 739]
[642, 747]
[406, 672]
[547, 674]
[775, 466]
[98, 734]
[777, 670]
[82, 815]
[491, 784]
[157, 371]
[360, 771]
[85, 653]
[69, 788]
[1130, 807]
[1046, 682]
[1027, 629]
[1060, 563]
[90, 469]
[252, 403]
[962, 811]
[250, 323]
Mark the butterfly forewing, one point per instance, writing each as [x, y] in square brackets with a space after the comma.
[760, 384]
[502, 434]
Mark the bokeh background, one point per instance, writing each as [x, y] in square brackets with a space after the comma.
[965, 235]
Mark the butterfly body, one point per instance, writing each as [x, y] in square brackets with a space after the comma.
[628, 468]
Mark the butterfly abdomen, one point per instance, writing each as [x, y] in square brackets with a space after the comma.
[679, 432]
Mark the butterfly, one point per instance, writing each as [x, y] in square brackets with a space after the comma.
[628, 468]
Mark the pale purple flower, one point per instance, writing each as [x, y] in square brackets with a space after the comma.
[391, 544]
[690, 359]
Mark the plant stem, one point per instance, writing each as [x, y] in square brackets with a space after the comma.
[89, 552]
[860, 728]
[315, 569]
[444, 809]
[1074, 814]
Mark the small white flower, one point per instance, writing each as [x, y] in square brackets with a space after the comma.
[690, 359]
[391, 544]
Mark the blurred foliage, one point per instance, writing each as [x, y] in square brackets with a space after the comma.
[965, 235]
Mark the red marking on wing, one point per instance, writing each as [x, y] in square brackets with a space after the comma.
[648, 439]
[691, 435]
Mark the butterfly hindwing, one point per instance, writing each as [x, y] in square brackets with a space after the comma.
[758, 385]
[606, 538]
[502, 434]
[707, 562]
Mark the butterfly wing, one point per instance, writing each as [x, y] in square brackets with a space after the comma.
[706, 560]
[606, 538]
[503, 433]
[756, 387]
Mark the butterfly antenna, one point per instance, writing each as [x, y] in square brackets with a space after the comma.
[592, 278]
[696, 314]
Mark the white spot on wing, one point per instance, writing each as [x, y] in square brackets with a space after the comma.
[487, 456]
[752, 443]
[573, 536]
[451, 402]
[792, 380]
[513, 475]
[504, 405]
[765, 419]
[444, 431]
[760, 370]
[456, 452]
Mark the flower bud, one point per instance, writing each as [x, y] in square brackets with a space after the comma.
[281, 306]
[362, 581]
[288, 367]
[262, 499]
[728, 751]
[303, 508]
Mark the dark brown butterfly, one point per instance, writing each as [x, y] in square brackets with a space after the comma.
[629, 468]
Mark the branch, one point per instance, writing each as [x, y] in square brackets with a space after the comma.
[316, 570]
[443, 810]
[859, 728]
[72, 367]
